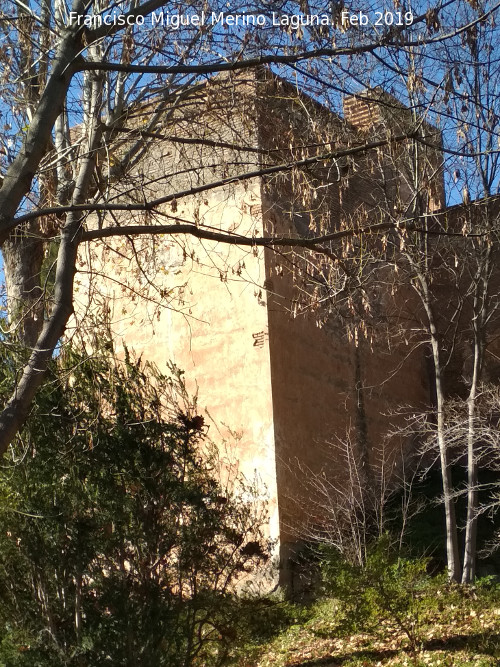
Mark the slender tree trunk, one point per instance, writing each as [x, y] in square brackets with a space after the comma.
[452, 551]
[23, 257]
[480, 313]
[78, 607]
[469, 571]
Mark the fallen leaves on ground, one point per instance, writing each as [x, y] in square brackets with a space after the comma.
[468, 638]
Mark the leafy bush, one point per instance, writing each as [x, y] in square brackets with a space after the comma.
[387, 593]
[119, 544]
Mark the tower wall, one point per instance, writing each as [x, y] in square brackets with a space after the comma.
[336, 382]
[278, 375]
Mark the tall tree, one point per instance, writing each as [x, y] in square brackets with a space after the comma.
[445, 256]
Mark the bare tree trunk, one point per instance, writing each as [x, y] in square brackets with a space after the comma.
[15, 412]
[469, 571]
[480, 316]
[421, 269]
[23, 257]
[452, 552]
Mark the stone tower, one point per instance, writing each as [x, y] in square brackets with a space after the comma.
[276, 378]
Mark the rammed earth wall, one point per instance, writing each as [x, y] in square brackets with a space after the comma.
[278, 371]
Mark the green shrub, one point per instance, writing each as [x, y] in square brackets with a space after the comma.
[119, 544]
[389, 593]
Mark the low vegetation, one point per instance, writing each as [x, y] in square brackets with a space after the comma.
[124, 541]
[388, 613]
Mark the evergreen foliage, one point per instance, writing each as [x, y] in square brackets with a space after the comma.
[387, 591]
[119, 543]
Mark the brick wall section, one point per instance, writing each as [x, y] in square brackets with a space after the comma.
[318, 374]
[362, 115]
[377, 114]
